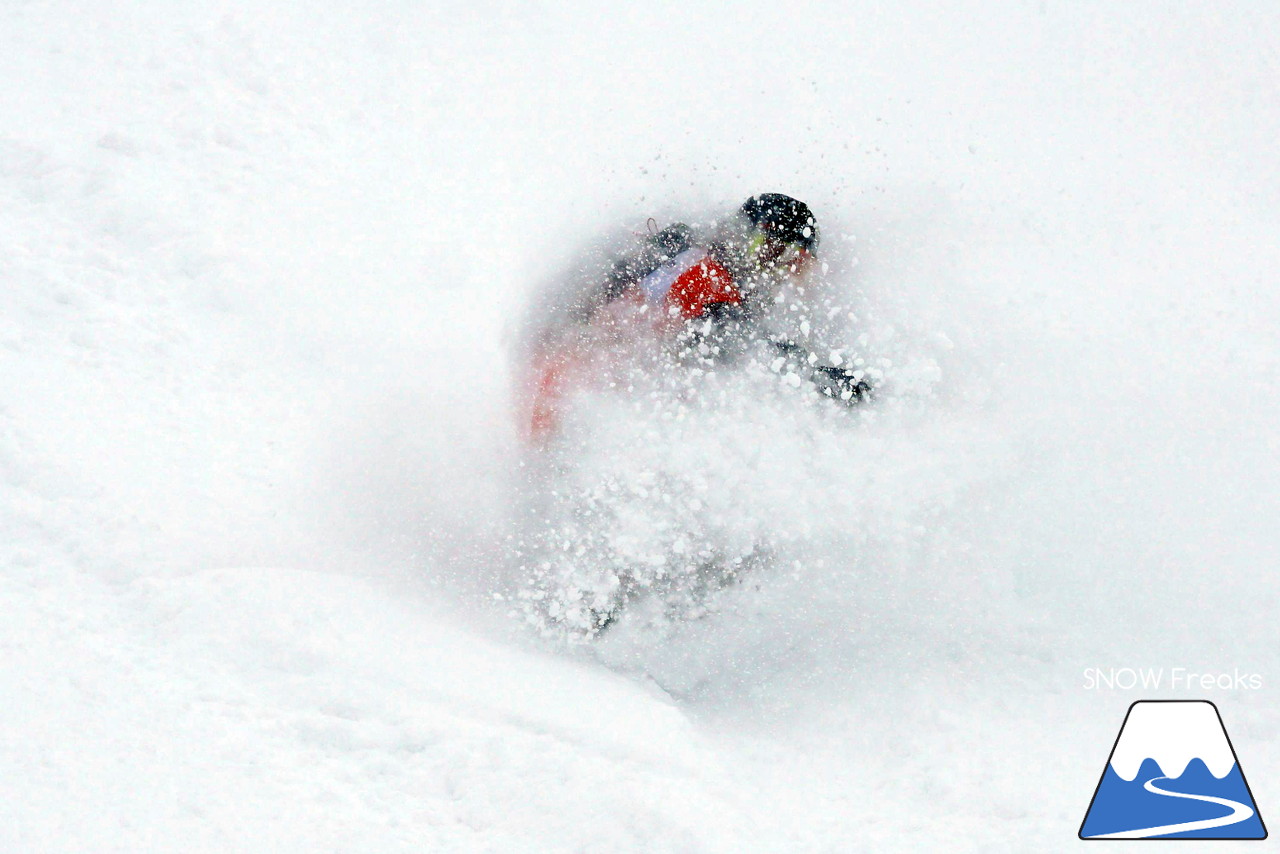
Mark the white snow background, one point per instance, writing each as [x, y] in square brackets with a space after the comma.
[259, 272]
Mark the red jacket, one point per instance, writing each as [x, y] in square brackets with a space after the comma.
[688, 284]
[680, 290]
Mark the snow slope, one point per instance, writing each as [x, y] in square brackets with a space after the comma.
[262, 270]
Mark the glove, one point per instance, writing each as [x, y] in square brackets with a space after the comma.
[849, 387]
[718, 337]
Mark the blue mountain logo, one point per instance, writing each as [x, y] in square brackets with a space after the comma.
[1173, 774]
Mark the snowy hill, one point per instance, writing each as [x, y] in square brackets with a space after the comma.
[262, 272]
[1172, 734]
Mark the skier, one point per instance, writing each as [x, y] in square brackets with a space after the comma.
[709, 293]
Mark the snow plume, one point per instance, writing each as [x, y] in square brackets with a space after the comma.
[677, 487]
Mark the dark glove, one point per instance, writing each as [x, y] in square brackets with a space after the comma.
[719, 335]
[839, 384]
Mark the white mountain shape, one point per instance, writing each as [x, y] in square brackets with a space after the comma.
[1172, 733]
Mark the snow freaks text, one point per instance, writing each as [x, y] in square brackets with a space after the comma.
[1172, 678]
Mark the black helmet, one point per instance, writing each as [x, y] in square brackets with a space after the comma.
[782, 218]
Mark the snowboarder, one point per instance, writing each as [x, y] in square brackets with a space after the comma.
[708, 292]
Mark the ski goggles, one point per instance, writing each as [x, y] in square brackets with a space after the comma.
[778, 254]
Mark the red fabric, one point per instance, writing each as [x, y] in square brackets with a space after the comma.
[702, 285]
[547, 391]
[559, 369]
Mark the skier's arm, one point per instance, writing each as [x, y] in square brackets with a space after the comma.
[849, 387]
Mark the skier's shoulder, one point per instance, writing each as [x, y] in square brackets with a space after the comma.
[652, 250]
[691, 265]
